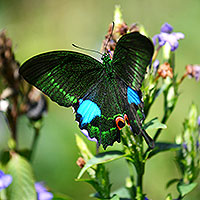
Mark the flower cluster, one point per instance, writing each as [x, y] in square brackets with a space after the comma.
[115, 31]
[188, 158]
[167, 36]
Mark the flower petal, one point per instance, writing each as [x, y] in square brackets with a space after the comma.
[7, 180]
[179, 35]
[162, 38]
[156, 64]
[154, 38]
[166, 28]
[45, 196]
[198, 120]
[196, 69]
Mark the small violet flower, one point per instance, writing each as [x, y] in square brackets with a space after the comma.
[184, 145]
[198, 121]
[156, 64]
[193, 71]
[42, 193]
[166, 35]
[5, 180]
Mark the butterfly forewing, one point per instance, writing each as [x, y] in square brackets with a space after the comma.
[64, 76]
[132, 55]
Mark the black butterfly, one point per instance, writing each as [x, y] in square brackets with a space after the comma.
[105, 95]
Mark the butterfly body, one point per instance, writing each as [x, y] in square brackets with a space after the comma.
[105, 95]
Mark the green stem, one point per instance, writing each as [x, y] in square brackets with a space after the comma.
[182, 78]
[131, 172]
[140, 174]
[131, 187]
[155, 54]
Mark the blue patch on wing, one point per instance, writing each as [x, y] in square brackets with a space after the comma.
[133, 96]
[88, 111]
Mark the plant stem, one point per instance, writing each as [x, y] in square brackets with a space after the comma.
[140, 174]
[34, 144]
[182, 78]
[156, 53]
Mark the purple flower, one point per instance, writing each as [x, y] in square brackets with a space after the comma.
[145, 198]
[5, 180]
[193, 71]
[198, 121]
[197, 72]
[166, 35]
[197, 144]
[184, 145]
[156, 64]
[42, 193]
[166, 28]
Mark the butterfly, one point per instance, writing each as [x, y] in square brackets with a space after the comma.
[105, 95]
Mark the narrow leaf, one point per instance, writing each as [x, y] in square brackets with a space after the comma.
[169, 183]
[102, 158]
[58, 196]
[164, 146]
[22, 186]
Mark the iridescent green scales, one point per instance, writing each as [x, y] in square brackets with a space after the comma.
[99, 92]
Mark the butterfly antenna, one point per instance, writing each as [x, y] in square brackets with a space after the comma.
[91, 50]
[113, 24]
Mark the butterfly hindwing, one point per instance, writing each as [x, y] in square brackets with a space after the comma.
[132, 55]
[108, 99]
[64, 76]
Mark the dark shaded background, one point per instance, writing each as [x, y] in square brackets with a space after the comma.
[36, 26]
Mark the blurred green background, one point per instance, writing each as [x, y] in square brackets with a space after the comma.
[36, 26]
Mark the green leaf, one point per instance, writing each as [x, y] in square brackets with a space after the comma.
[85, 152]
[164, 146]
[4, 157]
[22, 186]
[169, 197]
[101, 182]
[122, 193]
[115, 197]
[169, 183]
[154, 124]
[102, 158]
[185, 188]
[58, 196]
